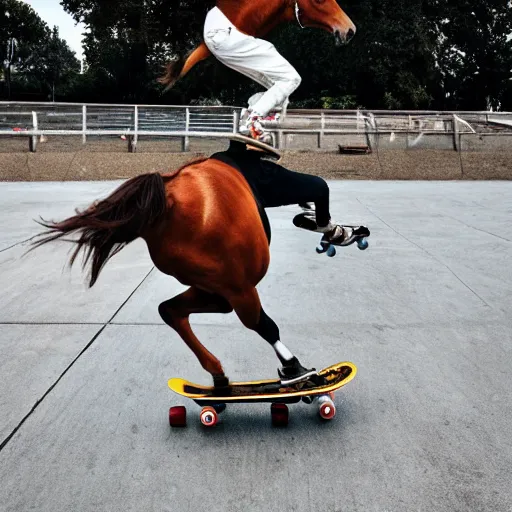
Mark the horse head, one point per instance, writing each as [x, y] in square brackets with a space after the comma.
[326, 15]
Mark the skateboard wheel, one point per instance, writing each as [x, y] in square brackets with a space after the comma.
[327, 409]
[323, 246]
[178, 416]
[279, 413]
[362, 244]
[209, 417]
[331, 251]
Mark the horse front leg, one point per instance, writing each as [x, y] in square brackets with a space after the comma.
[175, 313]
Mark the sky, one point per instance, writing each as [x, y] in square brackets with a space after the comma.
[52, 13]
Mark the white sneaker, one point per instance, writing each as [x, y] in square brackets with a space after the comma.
[250, 126]
[334, 233]
[340, 235]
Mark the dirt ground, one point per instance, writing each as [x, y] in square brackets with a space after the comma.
[67, 159]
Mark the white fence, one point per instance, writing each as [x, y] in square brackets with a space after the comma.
[129, 121]
[307, 129]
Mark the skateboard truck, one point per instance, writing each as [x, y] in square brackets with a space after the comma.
[330, 249]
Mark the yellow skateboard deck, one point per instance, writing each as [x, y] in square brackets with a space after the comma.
[336, 376]
[272, 391]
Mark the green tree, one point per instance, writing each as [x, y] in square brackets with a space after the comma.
[407, 54]
[52, 64]
[475, 52]
[389, 63]
[21, 30]
[127, 42]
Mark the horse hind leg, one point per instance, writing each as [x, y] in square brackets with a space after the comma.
[175, 313]
[248, 307]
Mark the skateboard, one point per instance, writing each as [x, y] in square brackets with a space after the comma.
[272, 151]
[214, 402]
[361, 234]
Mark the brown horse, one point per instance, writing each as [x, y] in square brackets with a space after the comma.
[203, 226]
[257, 19]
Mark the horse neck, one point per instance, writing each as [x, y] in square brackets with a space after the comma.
[255, 17]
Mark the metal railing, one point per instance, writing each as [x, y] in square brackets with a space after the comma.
[127, 121]
[131, 122]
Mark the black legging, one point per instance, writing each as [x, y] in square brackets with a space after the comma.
[273, 185]
[280, 187]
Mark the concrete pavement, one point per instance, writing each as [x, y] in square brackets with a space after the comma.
[425, 314]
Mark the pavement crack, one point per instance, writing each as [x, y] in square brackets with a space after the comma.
[50, 389]
[478, 229]
[131, 295]
[426, 252]
[68, 368]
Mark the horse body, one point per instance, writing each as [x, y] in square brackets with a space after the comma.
[202, 223]
[189, 241]
[255, 18]
[202, 226]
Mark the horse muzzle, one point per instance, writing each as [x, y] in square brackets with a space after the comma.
[344, 36]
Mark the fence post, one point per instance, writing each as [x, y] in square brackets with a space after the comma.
[236, 121]
[321, 133]
[281, 137]
[410, 130]
[461, 160]
[135, 129]
[372, 139]
[84, 124]
[132, 137]
[455, 133]
[32, 141]
[185, 141]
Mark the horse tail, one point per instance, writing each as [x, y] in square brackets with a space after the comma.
[109, 225]
[178, 68]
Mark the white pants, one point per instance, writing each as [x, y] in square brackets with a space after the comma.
[255, 58]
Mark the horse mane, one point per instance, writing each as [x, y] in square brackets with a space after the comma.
[109, 225]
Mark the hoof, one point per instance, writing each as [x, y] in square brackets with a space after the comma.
[221, 384]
